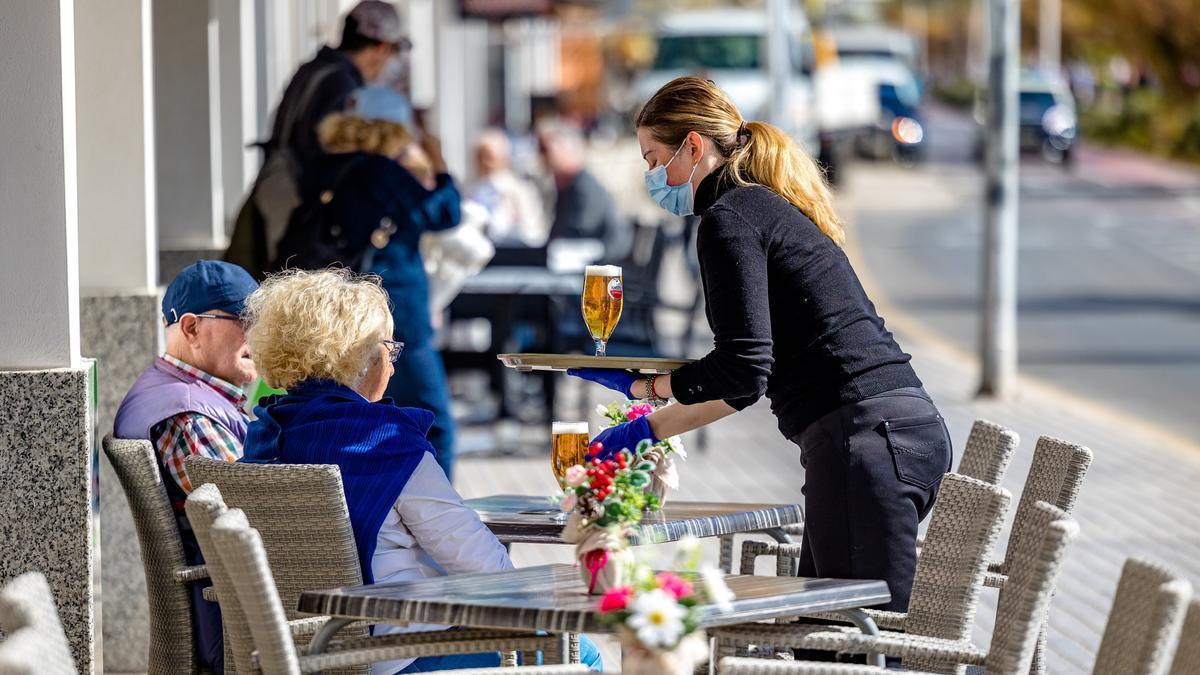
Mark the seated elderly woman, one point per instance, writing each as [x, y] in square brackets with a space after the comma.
[325, 338]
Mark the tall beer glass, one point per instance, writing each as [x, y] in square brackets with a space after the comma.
[568, 445]
[602, 293]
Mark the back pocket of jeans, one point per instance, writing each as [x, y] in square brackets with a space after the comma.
[919, 448]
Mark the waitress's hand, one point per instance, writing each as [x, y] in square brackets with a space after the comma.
[624, 436]
[617, 380]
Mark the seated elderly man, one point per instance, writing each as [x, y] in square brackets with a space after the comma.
[189, 401]
[325, 337]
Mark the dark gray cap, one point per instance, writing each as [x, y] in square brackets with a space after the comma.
[378, 20]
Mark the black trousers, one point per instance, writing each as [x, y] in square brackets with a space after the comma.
[872, 471]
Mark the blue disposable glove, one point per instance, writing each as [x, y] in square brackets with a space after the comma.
[624, 436]
[617, 380]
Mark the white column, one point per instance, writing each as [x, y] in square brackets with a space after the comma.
[38, 203]
[461, 106]
[115, 117]
[236, 90]
[188, 179]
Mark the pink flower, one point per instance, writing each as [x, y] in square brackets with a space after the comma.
[616, 599]
[568, 502]
[674, 584]
[576, 475]
[639, 410]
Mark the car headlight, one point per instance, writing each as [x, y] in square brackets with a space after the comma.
[1059, 120]
[907, 131]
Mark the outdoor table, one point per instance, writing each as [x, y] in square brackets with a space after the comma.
[533, 519]
[553, 598]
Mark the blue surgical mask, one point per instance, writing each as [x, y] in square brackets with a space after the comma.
[674, 198]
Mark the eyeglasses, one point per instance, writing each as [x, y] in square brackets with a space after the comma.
[395, 349]
[222, 317]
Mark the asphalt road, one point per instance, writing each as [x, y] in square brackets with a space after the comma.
[1109, 271]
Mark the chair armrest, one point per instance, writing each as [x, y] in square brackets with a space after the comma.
[185, 575]
[734, 665]
[850, 641]
[210, 593]
[997, 567]
[357, 651]
[883, 619]
[994, 580]
[784, 555]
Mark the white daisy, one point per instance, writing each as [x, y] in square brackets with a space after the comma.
[657, 619]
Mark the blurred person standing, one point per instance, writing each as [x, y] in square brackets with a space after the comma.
[190, 401]
[362, 208]
[515, 212]
[372, 43]
[583, 209]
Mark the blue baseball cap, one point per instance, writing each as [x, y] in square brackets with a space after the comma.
[207, 285]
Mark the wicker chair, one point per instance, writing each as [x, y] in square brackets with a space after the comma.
[1142, 628]
[167, 573]
[986, 456]
[1019, 616]
[240, 547]
[945, 593]
[1187, 657]
[35, 642]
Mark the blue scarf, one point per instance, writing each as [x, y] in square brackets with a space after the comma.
[377, 446]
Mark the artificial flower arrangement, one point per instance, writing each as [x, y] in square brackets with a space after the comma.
[657, 616]
[605, 497]
[662, 454]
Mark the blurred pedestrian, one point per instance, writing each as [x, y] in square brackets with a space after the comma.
[515, 212]
[790, 319]
[372, 39]
[362, 208]
[583, 209]
[190, 401]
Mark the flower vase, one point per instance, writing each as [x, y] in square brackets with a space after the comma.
[602, 569]
[636, 659]
[665, 476]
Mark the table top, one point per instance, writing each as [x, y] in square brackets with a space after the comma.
[553, 598]
[537, 520]
[523, 280]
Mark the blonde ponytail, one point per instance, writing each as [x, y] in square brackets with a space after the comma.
[757, 153]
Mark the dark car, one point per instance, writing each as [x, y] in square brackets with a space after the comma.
[1047, 118]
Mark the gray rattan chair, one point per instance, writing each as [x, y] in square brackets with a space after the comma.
[1145, 621]
[1187, 656]
[1019, 616]
[945, 595]
[167, 572]
[35, 643]
[988, 451]
[241, 548]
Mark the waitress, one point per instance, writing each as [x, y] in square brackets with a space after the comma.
[791, 320]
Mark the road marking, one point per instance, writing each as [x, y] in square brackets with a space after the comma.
[1178, 443]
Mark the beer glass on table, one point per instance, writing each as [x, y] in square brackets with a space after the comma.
[602, 302]
[568, 445]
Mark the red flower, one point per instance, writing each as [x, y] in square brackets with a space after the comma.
[639, 410]
[674, 584]
[616, 599]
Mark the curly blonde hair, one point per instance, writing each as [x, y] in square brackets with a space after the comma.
[324, 324]
[340, 132]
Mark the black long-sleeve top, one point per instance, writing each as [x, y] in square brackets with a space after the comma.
[789, 316]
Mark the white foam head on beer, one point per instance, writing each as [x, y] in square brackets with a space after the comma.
[557, 428]
[603, 271]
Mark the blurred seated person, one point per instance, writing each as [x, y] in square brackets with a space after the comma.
[372, 212]
[189, 401]
[583, 209]
[515, 211]
[326, 337]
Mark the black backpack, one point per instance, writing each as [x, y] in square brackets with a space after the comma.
[315, 238]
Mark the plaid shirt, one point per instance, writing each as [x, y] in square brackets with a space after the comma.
[189, 433]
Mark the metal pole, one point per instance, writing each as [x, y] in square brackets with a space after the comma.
[999, 321]
[1050, 34]
[778, 61]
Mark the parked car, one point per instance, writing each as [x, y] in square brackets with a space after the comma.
[729, 46]
[1047, 117]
